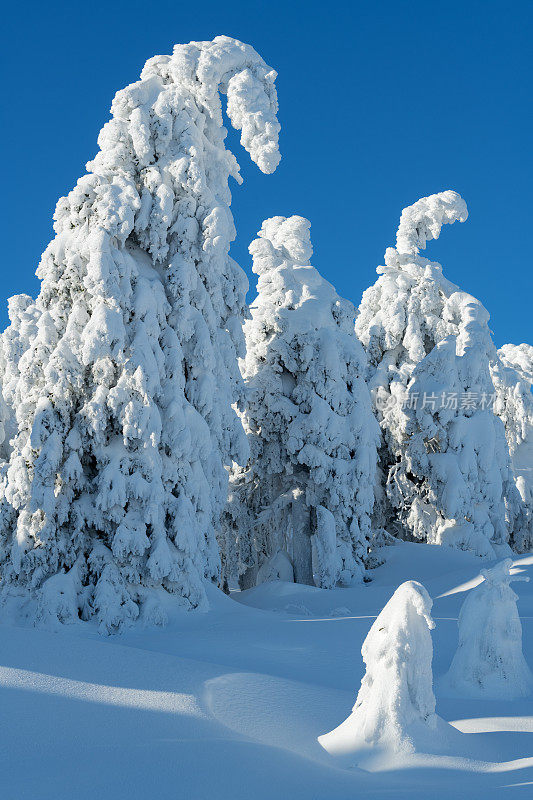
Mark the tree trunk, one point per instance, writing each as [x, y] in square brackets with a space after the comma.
[248, 579]
[301, 540]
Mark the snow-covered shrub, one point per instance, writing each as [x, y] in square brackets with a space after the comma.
[395, 706]
[308, 414]
[444, 461]
[123, 374]
[489, 661]
[277, 568]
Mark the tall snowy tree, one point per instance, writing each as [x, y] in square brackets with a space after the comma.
[512, 375]
[444, 461]
[308, 417]
[122, 376]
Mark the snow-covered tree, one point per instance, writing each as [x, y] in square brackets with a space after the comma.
[444, 461]
[308, 416]
[489, 661]
[520, 358]
[512, 375]
[395, 706]
[453, 484]
[123, 373]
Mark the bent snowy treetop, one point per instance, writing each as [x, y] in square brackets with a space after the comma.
[423, 221]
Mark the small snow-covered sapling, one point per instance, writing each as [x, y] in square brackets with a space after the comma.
[489, 661]
[395, 707]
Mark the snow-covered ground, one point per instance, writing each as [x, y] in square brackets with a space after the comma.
[229, 703]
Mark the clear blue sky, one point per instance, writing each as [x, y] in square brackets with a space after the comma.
[380, 103]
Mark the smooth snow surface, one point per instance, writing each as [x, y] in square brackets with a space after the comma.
[229, 703]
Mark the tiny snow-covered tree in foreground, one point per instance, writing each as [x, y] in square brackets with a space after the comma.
[445, 463]
[308, 415]
[489, 661]
[122, 375]
[395, 706]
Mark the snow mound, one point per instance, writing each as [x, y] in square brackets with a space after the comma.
[274, 711]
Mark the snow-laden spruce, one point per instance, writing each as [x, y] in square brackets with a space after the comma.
[489, 661]
[308, 417]
[445, 462]
[122, 374]
[512, 375]
[395, 706]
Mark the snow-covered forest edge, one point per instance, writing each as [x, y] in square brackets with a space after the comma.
[280, 470]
